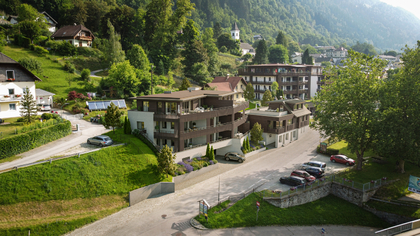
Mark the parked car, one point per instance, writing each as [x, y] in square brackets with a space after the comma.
[293, 180]
[234, 156]
[100, 140]
[319, 164]
[342, 159]
[315, 171]
[44, 107]
[303, 174]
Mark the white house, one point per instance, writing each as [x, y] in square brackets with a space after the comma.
[44, 97]
[14, 79]
[77, 35]
[247, 48]
[50, 21]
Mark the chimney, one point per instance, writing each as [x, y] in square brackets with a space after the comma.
[227, 76]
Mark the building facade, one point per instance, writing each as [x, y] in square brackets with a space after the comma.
[77, 35]
[296, 81]
[14, 79]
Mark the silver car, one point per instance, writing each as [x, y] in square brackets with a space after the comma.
[100, 140]
[234, 156]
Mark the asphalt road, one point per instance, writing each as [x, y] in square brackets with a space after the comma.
[145, 218]
[74, 140]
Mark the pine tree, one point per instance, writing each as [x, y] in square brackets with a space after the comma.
[29, 109]
[282, 39]
[112, 117]
[212, 153]
[114, 52]
[185, 84]
[127, 126]
[208, 150]
[166, 161]
[261, 56]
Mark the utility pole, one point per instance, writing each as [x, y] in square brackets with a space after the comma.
[151, 82]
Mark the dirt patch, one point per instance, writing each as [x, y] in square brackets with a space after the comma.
[84, 147]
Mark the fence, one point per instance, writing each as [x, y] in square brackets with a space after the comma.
[143, 137]
[400, 228]
[242, 195]
[53, 159]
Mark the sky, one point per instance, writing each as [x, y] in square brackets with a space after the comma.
[412, 6]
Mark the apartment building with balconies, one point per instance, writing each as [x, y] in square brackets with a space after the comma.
[283, 121]
[187, 120]
[296, 81]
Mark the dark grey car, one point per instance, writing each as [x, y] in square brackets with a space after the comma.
[293, 180]
[100, 140]
[234, 156]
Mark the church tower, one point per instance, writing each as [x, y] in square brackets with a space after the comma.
[235, 32]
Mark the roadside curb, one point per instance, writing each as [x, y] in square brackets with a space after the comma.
[194, 223]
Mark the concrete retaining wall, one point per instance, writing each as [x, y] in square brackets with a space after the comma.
[181, 178]
[141, 194]
[255, 152]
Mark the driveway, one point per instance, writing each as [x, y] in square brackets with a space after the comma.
[75, 142]
[145, 218]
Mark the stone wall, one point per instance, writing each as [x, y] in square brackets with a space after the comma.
[392, 219]
[300, 198]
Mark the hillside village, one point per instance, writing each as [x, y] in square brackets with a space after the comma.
[106, 115]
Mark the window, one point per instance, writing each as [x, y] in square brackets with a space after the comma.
[294, 134]
[280, 138]
[289, 122]
[237, 95]
[12, 107]
[236, 87]
[145, 106]
[160, 104]
[287, 136]
[172, 125]
[233, 34]
[164, 125]
[140, 125]
[172, 143]
[10, 74]
[11, 91]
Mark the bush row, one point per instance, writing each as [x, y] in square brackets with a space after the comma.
[24, 142]
[330, 151]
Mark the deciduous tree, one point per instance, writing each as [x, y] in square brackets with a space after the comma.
[256, 133]
[185, 84]
[138, 58]
[123, 77]
[249, 92]
[346, 106]
[278, 54]
[282, 39]
[267, 97]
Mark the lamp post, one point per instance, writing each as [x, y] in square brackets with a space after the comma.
[151, 83]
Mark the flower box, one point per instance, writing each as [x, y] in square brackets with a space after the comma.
[11, 79]
[6, 96]
[18, 95]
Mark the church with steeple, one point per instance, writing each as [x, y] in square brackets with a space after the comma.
[245, 47]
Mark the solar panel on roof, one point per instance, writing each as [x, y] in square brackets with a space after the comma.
[106, 104]
[122, 104]
[92, 105]
[100, 106]
[103, 105]
[116, 103]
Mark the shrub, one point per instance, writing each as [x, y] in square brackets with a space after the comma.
[47, 116]
[211, 162]
[22, 41]
[23, 142]
[68, 66]
[84, 75]
[31, 64]
[73, 95]
[40, 40]
[40, 50]
[89, 52]
[215, 161]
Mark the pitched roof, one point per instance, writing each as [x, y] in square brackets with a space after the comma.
[221, 86]
[4, 22]
[41, 92]
[7, 60]
[246, 46]
[52, 19]
[70, 31]
[232, 80]
[185, 95]
[235, 26]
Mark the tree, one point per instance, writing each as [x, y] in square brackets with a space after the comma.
[267, 97]
[278, 54]
[200, 73]
[274, 88]
[127, 126]
[249, 92]
[27, 13]
[30, 29]
[112, 117]
[282, 39]
[85, 75]
[208, 150]
[113, 51]
[29, 109]
[217, 30]
[346, 106]
[306, 59]
[399, 128]
[138, 58]
[166, 161]
[185, 84]
[391, 53]
[227, 41]
[293, 47]
[122, 77]
[210, 45]
[256, 133]
[31, 64]
[279, 94]
[247, 56]
[261, 55]
[212, 153]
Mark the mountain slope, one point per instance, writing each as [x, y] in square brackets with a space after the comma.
[322, 22]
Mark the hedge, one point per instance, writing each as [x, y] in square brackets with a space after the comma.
[20, 143]
[330, 151]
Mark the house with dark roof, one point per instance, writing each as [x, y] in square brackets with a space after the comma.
[77, 35]
[187, 121]
[229, 84]
[50, 21]
[14, 79]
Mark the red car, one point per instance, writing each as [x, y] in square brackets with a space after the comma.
[342, 159]
[303, 174]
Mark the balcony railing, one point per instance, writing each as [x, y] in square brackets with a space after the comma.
[204, 128]
[204, 144]
[12, 97]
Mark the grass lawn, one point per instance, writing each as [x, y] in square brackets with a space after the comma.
[7, 130]
[328, 210]
[78, 190]
[54, 78]
[252, 105]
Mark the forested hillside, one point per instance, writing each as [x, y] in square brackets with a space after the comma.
[322, 22]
